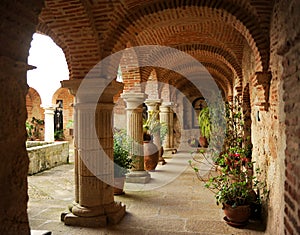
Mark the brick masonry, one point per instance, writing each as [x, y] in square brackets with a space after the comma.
[234, 40]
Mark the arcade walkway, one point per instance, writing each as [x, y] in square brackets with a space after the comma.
[181, 207]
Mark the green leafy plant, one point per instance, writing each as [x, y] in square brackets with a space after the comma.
[152, 125]
[234, 184]
[29, 129]
[70, 124]
[205, 123]
[34, 128]
[230, 175]
[122, 160]
[59, 135]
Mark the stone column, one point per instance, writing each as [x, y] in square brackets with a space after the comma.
[94, 204]
[73, 86]
[153, 105]
[166, 116]
[49, 123]
[134, 111]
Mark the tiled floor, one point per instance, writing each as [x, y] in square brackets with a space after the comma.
[174, 202]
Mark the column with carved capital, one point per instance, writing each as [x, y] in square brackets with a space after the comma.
[166, 116]
[94, 204]
[49, 123]
[134, 110]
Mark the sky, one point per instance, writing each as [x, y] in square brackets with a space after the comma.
[51, 67]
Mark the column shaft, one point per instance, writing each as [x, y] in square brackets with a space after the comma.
[166, 116]
[49, 124]
[134, 111]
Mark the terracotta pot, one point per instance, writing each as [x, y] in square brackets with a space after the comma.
[119, 185]
[239, 214]
[203, 142]
[151, 156]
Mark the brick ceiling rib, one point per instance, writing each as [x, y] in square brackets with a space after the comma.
[187, 86]
[209, 61]
[238, 14]
[72, 26]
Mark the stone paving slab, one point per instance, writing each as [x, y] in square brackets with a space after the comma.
[181, 207]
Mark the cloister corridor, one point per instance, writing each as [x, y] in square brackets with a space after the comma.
[182, 207]
[176, 58]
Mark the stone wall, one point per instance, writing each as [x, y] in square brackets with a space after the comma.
[286, 21]
[44, 155]
[274, 131]
[18, 23]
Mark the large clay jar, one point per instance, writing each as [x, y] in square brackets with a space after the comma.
[151, 155]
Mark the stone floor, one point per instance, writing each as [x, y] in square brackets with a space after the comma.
[174, 202]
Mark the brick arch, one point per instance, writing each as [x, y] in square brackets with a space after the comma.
[181, 83]
[131, 71]
[190, 37]
[202, 51]
[45, 30]
[71, 25]
[213, 62]
[33, 105]
[244, 20]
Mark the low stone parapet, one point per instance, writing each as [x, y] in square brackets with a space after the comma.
[45, 155]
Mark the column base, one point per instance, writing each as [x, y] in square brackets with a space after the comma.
[168, 152]
[140, 177]
[112, 214]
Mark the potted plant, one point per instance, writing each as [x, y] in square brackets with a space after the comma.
[205, 127]
[123, 163]
[235, 187]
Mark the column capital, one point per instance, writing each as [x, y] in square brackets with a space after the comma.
[153, 102]
[48, 108]
[91, 89]
[167, 104]
[133, 100]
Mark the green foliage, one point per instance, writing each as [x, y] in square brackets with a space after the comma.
[34, 128]
[152, 125]
[205, 123]
[29, 129]
[59, 135]
[234, 184]
[122, 160]
[70, 124]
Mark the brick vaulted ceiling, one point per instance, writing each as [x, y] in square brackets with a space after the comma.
[214, 32]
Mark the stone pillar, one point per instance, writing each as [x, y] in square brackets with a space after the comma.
[49, 123]
[73, 86]
[153, 105]
[94, 204]
[134, 111]
[166, 116]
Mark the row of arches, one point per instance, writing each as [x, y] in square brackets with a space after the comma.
[249, 47]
